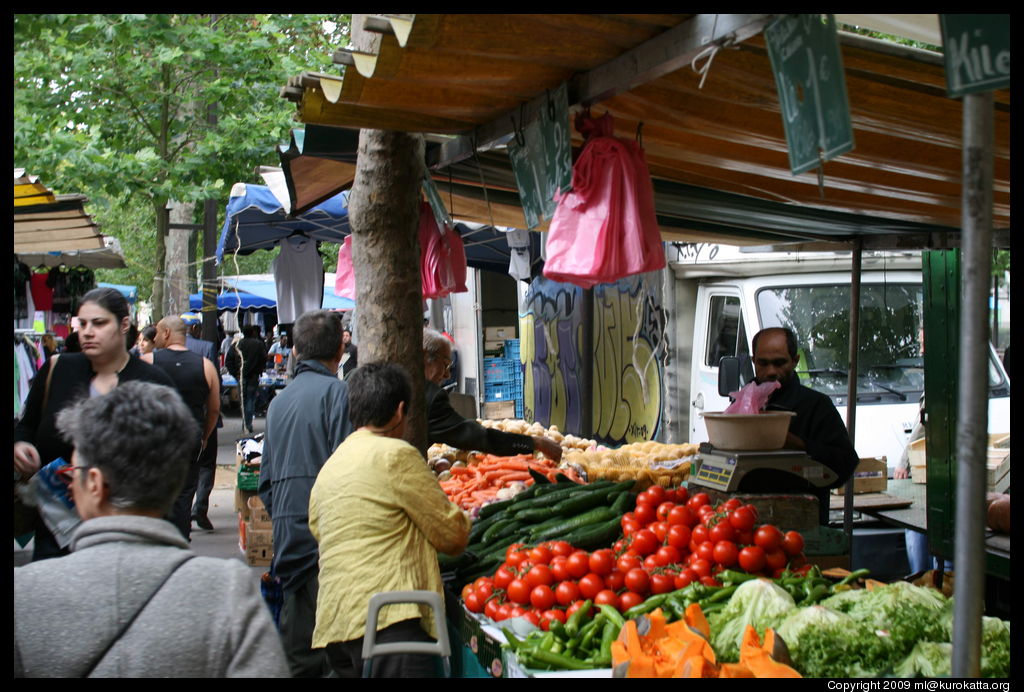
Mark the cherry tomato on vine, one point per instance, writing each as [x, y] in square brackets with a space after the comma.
[662, 583]
[542, 597]
[602, 562]
[578, 564]
[768, 537]
[590, 585]
[742, 519]
[629, 599]
[792, 543]
[567, 592]
[638, 581]
[752, 559]
[726, 553]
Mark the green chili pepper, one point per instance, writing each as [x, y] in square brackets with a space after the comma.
[729, 576]
[560, 661]
[817, 593]
[577, 619]
[611, 630]
[612, 615]
[647, 606]
[591, 631]
[853, 576]
[721, 594]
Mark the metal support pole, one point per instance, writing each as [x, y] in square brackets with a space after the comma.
[851, 391]
[972, 402]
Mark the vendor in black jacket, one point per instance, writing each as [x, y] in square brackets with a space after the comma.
[817, 427]
[445, 425]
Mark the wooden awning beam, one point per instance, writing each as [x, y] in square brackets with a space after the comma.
[659, 56]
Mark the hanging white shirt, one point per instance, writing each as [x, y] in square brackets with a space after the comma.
[299, 278]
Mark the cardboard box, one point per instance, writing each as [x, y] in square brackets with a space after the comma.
[258, 537]
[870, 476]
[499, 333]
[258, 517]
[258, 555]
[494, 345]
[242, 502]
[997, 460]
[498, 410]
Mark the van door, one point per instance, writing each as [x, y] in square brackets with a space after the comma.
[719, 331]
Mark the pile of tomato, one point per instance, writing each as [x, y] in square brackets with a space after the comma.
[669, 540]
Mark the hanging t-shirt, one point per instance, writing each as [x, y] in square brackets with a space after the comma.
[42, 295]
[299, 277]
[22, 274]
[58, 283]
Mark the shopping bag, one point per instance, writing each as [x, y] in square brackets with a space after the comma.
[345, 276]
[56, 505]
[604, 228]
[442, 257]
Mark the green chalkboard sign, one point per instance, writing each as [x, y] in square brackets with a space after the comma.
[808, 68]
[541, 155]
[977, 51]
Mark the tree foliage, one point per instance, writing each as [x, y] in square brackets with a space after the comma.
[115, 106]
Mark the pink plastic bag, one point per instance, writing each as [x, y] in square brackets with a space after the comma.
[442, 260]
[751, 398]
[604, 228]
[442, 257]
[345, 276]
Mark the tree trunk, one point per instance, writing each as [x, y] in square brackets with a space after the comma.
[160, 211]
[384, 216]
[178, 258]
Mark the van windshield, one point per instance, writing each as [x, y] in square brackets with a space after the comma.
[891, 359]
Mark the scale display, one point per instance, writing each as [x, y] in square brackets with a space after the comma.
[723, 470]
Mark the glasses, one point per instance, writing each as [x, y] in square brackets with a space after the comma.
[447, 364]
[67, 474]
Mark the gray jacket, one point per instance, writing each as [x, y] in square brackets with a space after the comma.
[306, 422]
[208, 620]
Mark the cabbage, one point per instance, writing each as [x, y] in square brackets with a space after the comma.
[758, 602]
[927, 660]
[798, 620]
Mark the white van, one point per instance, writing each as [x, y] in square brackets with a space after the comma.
[722, 303]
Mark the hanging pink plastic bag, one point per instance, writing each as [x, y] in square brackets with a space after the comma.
[604, 228]
[751, 397]
[345, 276]
[442, 257]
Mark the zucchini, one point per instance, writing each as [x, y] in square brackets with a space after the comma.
[573, 524]
[495, 507]
[593, 536]
[538, 477]
[492, 532]
[624, 502]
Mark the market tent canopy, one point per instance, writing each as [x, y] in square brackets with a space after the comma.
[720, 132]
[234, 300]
[263, 286]
[257, 220]
[108, 258]
[130, 293]
[45, 222]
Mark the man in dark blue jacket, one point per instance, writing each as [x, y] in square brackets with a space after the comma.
[306, 421]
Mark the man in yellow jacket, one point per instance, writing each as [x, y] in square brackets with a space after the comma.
[379, 517]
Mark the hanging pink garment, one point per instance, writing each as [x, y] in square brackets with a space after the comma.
[442, 257]
[345, 276]
[442, 260]
[604, 228]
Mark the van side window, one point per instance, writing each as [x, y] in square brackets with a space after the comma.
[726, 333]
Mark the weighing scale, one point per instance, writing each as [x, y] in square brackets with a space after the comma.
[781, 470]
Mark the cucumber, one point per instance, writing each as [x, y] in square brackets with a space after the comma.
[481, 525]
[535, 515]
[492, 532]
[596, 535]
[495, 507]
[539, 478]
[563, 491]
[573, 524]
[624, 502]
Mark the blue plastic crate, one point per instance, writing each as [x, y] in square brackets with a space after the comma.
[500, 370]
[497, 392]
[512, 349]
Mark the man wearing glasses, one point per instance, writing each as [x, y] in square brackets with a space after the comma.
[131, 600]
[446, 426]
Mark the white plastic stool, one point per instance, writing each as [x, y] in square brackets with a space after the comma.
[439, 648]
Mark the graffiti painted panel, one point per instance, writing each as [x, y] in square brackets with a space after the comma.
[550, 336]
[630, 347]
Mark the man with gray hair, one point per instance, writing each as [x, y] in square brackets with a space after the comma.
[131, 600]
[306, 422]
[446, 426]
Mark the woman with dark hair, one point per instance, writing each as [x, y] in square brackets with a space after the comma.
[147, 341]
[102, 364]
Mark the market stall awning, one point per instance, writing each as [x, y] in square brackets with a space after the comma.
[130, 293]
[234, 300]
[45, 222]
[257, 220]
[265, 289]
[472, 78]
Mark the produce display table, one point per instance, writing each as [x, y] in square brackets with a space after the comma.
[915, 516]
